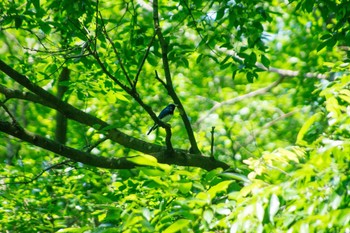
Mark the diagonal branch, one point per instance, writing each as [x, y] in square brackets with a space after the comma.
[143, 60]
[260, 91]
[169, 85]
[37, 176]
[115, 52]
[253, 135]
[68, 152]
[75, 114]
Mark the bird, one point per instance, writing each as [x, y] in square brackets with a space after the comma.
[165, 115]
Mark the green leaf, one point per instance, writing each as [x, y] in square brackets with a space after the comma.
[143, 160]
[18, 21]
[306, 127]
[274, 206]
[74, 230]
[235, 176]
[220, 187]
[178, 225]
[185, 187]
[265, 61]
[220, 13]
[259, 211]
[322, 45]
[208, 215]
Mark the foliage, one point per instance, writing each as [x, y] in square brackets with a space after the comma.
[273, 78]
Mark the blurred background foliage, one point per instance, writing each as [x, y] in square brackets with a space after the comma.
[288, 144]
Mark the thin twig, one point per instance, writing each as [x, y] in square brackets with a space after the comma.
[14, 121]
[160, 80]
[115, 51]
[97, 143]
[260, 91]
[96, 26]
[252, 137]
[143, 60]
[196, 27]
[41, 173]
[212, 143]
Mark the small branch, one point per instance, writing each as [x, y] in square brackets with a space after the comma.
[111, 76]
[143, 60]
[57, 165]
[291, 73]
[115, 52]
[14, 121]
[160, 80]
[212, 143]
[260, 91]
[252, 137]
[96, 26]
[196, 25]
[96, 144]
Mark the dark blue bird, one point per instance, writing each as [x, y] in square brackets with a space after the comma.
[164, 116]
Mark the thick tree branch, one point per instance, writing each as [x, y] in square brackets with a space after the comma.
[75, 114]
[170, 88]
[68, 152]
[178, 158]
[16, 94]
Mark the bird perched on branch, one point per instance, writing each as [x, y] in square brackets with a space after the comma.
[164, 116]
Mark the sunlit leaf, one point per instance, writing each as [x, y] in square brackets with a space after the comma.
[274, 206]
[306, 127]
[178, 225]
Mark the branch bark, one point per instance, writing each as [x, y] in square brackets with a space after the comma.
[179, 157]
[169, 85]
[61, 120]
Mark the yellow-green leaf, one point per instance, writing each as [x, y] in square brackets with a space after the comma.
[306, 127]
[177, 226]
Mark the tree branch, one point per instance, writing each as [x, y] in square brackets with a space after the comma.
[179, 157]
[170, 88]
[68, 152]
[116, 52]
[37, 176]
[260, 91]
[61, 120]
[75, 114]
[143, 60]
[291, 73]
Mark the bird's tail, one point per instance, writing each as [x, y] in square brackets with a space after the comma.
[152, 128]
